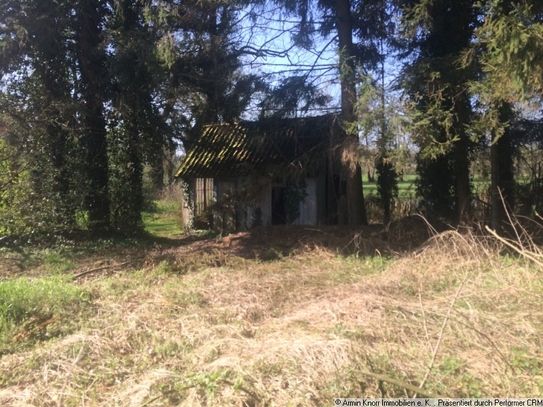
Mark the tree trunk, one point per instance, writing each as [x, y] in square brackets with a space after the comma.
[57, 140]
[462, 162]
[127, 216]
[463, 186]
[157, 173]
[91, 62]
[502, 175]
[355, 196]
[496, 208]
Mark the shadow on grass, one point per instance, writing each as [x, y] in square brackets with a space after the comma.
[275, 242]
[32, 256]
[272, 243]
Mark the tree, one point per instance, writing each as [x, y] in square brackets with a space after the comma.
[337, 18]
[438, 86]
[355, 196]
[37, 63]
[508, 48]
[90, 48]
[502, 152]
[138, 133]
[65, 79]
[292, 96]
[201, 50]
[378, 22]
[377, 118]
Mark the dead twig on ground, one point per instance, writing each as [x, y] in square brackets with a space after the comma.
[399, 383]
[109, 266]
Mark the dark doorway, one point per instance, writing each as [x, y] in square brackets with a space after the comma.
[278, 206]
[333, 192]
[204, 197]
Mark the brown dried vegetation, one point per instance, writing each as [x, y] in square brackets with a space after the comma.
[296, 316]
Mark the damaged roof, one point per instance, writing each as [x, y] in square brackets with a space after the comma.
[267, 147]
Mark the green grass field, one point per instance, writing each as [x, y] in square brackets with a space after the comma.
[406, 188]
[165, 220]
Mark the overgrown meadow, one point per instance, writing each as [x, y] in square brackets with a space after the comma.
[272, 317]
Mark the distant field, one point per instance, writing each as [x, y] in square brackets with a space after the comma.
[406, 188]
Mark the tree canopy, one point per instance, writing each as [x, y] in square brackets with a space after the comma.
[93, 92]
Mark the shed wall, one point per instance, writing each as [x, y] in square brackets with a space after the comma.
[257, 212]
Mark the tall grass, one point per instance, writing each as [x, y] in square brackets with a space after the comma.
[25, 303]
[206, 323]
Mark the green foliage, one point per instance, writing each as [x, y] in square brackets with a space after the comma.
[207, 383]
[40, 115]
[441, 109]
[436, 184]
[379, 118]
[36, 197]
[56, 263]
[431, 111]
[467, 385]
[292, 95]
[125, 187]
[24, 297]
[164, 219]
[524, 362]
[36, 299]
[98, 93]
[511, 40]
[14, 192]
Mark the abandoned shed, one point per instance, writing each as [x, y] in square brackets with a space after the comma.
[274, 171]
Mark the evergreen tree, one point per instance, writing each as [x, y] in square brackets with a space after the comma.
[509, 49]
[37, 63]
[90, 45]
[137, 131]
[441, 31]
[201, 50]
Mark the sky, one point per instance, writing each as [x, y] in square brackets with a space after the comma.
[273, 31]
[274, 34]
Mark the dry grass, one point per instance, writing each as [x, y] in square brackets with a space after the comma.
[207, 324]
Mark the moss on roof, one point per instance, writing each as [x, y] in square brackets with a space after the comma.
[267, 147]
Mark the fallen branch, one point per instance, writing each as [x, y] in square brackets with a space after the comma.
[520, 250]
[152, 400]
[109, 266]
[401, 384]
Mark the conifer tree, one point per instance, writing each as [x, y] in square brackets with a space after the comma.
[442, 31]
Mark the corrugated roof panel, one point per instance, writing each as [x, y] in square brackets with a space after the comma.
[232, 150]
